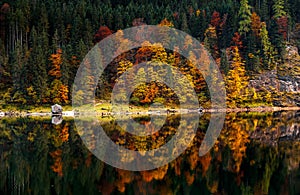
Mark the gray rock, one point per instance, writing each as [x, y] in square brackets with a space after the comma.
[286, 80]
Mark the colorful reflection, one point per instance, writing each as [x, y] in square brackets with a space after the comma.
[256, 153]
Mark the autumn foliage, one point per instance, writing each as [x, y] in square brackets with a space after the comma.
[39, 57]
[59, 93]
[103, 32]
[282, 23]
[215, 19]
[255, 24]
[58, 164]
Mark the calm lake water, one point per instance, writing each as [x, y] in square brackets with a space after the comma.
[256, 153]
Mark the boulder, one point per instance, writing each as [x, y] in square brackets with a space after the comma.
[56, 109]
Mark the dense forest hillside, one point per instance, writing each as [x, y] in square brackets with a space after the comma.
[43, 42]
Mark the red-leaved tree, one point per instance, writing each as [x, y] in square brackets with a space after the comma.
[103, 32]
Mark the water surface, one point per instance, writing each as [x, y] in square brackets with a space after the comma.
[256, 153]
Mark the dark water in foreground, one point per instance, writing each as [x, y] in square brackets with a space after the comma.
[256, 153]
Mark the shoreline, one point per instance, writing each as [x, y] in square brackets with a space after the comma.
[254, 109]
[21, 113]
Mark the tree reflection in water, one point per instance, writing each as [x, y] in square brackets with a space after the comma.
[256, 153]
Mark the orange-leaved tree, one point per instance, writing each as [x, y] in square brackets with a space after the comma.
[255, 24]
[58, 91]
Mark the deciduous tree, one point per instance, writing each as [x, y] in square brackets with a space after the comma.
[103, 32]
[255, 24]
[236, 80]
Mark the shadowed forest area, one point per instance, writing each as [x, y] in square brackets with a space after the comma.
[42, 44]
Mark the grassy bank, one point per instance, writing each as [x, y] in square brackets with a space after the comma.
[30, 108]
[107, 108]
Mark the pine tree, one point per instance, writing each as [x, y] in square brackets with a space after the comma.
[264, 11]
[224, 66]
[18, 71]
[5, 76]
[245, 17]
[278, 8]
[281, 17]
[195, 25]
[28, 26]
[268, 49]
[184, 23]
[118, 21]
[37, 67]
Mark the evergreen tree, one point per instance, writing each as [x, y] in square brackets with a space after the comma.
[278, 8]
[184, 23]
[19, 74]
[224, 66]
[264, 11]
[245, 17]
[27, 28]
[37, 66]
[268, 50]
[5, 76]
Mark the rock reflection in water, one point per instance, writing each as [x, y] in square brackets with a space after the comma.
[256, 153]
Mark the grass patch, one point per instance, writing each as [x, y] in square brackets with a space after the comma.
[31, 108]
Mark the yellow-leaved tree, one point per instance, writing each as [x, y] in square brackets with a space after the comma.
[236, 80]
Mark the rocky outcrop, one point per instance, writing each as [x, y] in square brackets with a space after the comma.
[272, 80]
[284, 80]
[265, 81]
[289, 84]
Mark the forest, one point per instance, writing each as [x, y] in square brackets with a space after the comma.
[42, 44]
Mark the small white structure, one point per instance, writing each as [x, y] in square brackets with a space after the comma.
[2, 114]
[56, 109]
